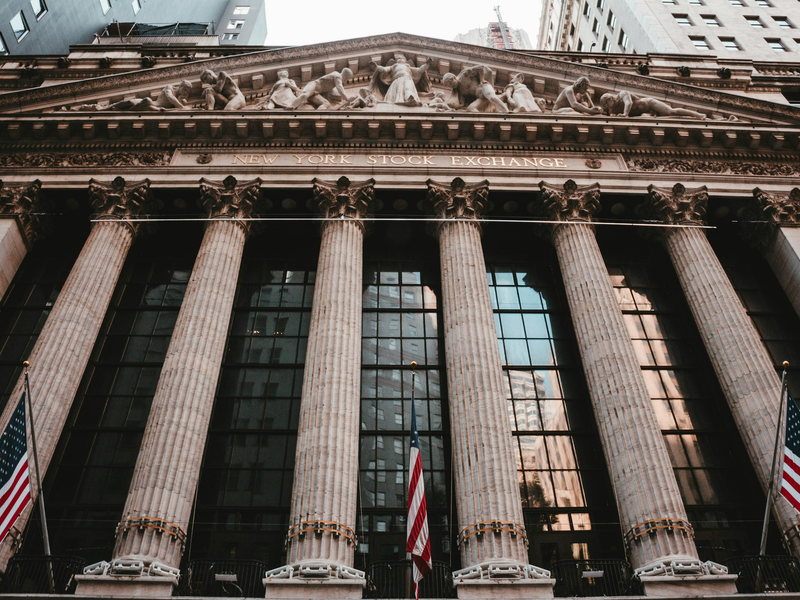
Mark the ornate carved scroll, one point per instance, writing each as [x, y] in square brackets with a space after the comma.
[768, 210]
[228, 199]
[22, 202]
[572, 202]
[344, 199]
[677, 206]
[119, 200]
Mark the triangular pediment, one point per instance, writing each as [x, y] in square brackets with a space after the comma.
[542, 80]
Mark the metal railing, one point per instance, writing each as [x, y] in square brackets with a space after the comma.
[392, 579]
[765, 574]
[224, 578]
[611, 577]
[41, 574]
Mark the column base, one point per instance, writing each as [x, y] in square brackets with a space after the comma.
[684, 586]
[330, 589]
[135, 586]
[483, 589]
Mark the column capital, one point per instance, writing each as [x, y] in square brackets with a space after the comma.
[229, 199]
[676, 205]
[571, 202]
[119, 200]
[343, 199]
[766, 211]
[22, 203]
[458, 199]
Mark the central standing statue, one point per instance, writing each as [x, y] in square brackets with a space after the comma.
[399, 82]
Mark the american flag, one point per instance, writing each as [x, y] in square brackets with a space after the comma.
[15, 484]
[418, 543]
[790, 481]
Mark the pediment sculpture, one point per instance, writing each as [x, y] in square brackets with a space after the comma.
[399, 82]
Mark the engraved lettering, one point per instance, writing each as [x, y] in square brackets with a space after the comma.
[371, 159]
[240, 159]
[415, 160]
[330, 159]
[514, 163]
[486, 158]
[529, 162]
[254, 159]
[315, 159]
[501, 163]
[345, 159]
[560, 163]
[428, 160]
[267, 160]
[456, 161]
[471, 161]
[549, 162]
[300, 158]
[399, 160]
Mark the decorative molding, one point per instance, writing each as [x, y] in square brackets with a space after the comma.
[669, 165]
[676, 206]
[458, 200]
[574, 203]
[23, 203]
[110, 159]
[343, 199]
[118, 200]
[765, 212]
[228, 199]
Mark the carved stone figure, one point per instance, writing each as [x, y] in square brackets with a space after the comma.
[399, 82]
[319, 93]
[221, 92]
[626, 104]
[473, 88]
[519, 98]
[439, 104]
[167, 99]
[365, 99]
[283, 93]
[576, 99]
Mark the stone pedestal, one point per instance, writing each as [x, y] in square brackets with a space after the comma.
[60, 355]
[501, 589]
[492, 537]
[122, 585]
[651, 510]
[689, 586]
[743, 367]
[152, 532]
[321, 536]
[19, 228]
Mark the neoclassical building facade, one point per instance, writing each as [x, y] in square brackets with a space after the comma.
[222, 268]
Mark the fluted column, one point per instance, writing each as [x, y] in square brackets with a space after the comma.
[743, 367]
[772, 222]
[62, 350]
[20, 224]
[651, 511]
[152, 531]
[492, 537]
[321, 538]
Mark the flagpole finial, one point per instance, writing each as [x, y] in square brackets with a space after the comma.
[786, 364]
[27, 364]
[414, 364]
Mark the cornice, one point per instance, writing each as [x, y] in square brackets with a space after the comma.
[18, 101]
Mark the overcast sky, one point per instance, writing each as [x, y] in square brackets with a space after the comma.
[300, 22]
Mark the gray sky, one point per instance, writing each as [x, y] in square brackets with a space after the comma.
[301, 22]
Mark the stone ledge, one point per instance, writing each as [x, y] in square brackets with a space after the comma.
[489, 589]
[330, 589]
[689, 586]
[136, 586]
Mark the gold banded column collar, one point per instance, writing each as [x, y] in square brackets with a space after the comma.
[652, 526]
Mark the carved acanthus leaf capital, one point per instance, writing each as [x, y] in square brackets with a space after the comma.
[766, 211]
[343, 199]
[229, 199]
[119, 200]
[676, 206]
[22, 202]
[571, 202]
[458, 200]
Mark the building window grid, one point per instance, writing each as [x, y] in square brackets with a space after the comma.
[105, 5]
[700, 43]
[137, 6]
[755, 22]
[683, 409]
[538, 361]
[776, 44]
[683, 20]
[783, 22]
[623, 40]
[19, 25]
[235, 23]
[241, 10]
[400, 325]
[39, 8]
[730, 44]
[710, 20]
[611, 21]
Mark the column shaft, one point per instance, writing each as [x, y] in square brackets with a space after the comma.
[742, 365]
[326, 466]
[486, 481]
[62, 350]
[168, 466]
[783, 255]
[641, 473]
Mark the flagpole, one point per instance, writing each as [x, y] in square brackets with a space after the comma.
[781, 410]
[412, 585]
[42, 512]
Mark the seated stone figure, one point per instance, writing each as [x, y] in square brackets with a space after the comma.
[626, 104]
[365, 99]
[319, 93]
[221, 92]
[282, 94]
[473, 90]
[519, 98]
[575, 99]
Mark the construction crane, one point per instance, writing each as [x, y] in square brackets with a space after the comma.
[503, 31]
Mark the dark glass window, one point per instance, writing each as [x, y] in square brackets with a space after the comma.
[246, 481]
[699, 433]
[100, 443]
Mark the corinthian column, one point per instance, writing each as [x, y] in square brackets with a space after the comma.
[321, 538]
[19, 227]
[658, 536]
[743, 367]
[151, 535]
[773, 223]
[492, 537]
[62, 350]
